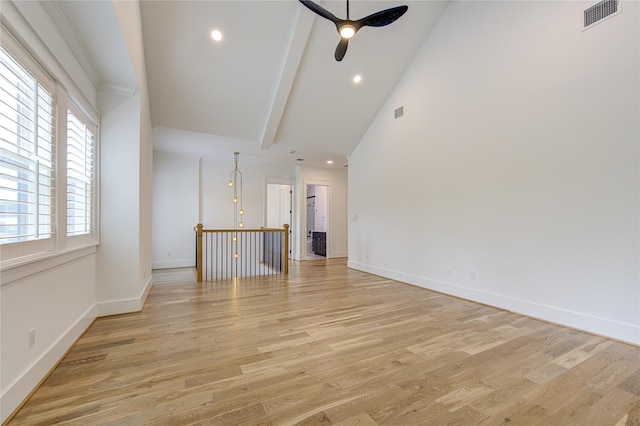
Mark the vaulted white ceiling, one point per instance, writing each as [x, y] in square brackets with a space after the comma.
[272, 83]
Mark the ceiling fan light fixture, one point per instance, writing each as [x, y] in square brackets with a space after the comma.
[347, 31]
[347, 28]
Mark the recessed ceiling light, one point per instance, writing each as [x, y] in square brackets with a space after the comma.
[216, 35]
[329, 161]
[357, 78]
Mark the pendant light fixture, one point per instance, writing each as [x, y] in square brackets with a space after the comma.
[235, 181]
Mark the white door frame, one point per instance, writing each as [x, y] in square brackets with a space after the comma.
[293, 227]
[302, 236]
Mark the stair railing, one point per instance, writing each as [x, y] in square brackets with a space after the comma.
[231, 253]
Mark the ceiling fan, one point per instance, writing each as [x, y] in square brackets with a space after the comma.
[347, 28]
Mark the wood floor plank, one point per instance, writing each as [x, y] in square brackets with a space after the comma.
[330, 345]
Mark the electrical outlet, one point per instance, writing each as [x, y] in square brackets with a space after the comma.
[449, 272]
[169, 253]
[472, 275]
[32, 337]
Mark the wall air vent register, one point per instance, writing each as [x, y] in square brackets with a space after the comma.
[598, 12]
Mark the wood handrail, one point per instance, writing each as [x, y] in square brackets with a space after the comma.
[245, 230]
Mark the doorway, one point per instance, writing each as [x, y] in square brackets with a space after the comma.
[279, 208]
[316, 227]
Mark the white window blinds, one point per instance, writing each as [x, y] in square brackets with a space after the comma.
[80, 172]
[27, 130]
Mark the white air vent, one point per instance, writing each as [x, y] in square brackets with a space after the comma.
[598, 12]
[399, 112]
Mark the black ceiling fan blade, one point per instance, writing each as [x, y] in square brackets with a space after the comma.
[378, 19]
[320, 11]
[383, 18]
[341, 49]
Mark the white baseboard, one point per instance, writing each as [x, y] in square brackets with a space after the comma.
[125, 306]
[116, 307]
[145, 291]
[19, 390]
[337, 254]
[581, 321]
[167, 264]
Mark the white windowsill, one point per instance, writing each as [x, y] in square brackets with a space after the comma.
[15, 269]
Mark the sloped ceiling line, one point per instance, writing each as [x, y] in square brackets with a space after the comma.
[297, 45]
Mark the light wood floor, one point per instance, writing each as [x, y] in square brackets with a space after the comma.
[334, 346]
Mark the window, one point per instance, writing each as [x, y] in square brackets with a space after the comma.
[47, 187]
[27, 167]
[80, 148]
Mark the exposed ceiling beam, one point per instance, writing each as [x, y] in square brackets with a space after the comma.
[299, 39]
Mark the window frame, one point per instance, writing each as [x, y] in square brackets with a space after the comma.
[24, 253]
[32, 246]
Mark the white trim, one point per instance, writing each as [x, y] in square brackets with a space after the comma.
[302, 254]
[58, 19]
[293, 226]
[14, 252]
[125, 306]
[15, 269]
[117, 89]
[116, 307]
[27, 61]
[145, 291]
[168, 264]
[20, 389]
[581, 321]
[34, 29]
[84, 112]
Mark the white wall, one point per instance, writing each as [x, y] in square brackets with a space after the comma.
[57, 300]
[129, 17]
[118, 284]
[218, 209]
[175, 208]
[516, 159]
[124, 254]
